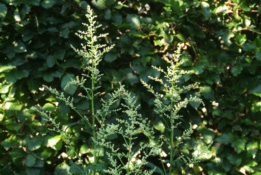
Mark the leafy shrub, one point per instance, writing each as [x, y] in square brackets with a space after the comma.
[220, 41]
[130, 123]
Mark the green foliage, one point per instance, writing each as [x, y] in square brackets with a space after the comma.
[168, 105]
[220, 42]
[128, 158]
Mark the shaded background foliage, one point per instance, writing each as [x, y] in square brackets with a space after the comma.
[221, 43]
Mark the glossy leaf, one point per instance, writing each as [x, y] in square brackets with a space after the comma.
[206, 9]
[159, 126]
[48, 107]
[55, 142]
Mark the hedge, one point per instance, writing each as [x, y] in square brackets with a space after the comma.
[221, 43]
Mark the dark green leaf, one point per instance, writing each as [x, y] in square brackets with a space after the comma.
[249, 46]
[17, 155]
[68, 88]
[30, 160]
[206, 9]
[157, 170]
[208, 135]
[50, 61]
[257, 90]
[234, 159]
[258, 55]
[117, 18]
[110, 57]
[39, 163]
[34, 171]
[207, 92]
[225, 138]
[7, 169]
[3, 10]
[100, 4]
[48, 4]
[134, 21]
[130, 76]
[107, 14]
[75, 168]
[239, 145]
[19, 47]
[48, 77]
[236, 70]
[9, 142]
[34, 143]
[63, 169]
[46, 153]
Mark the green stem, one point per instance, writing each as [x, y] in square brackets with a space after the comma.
[172, 130]
[129, 153]
[171, 145]
[92, 103]
[165, 172]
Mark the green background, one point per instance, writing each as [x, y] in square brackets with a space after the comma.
[221, 43]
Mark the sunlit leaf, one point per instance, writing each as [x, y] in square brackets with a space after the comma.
[252, 148]
[239, 145]
[206, 9]
[134, 21]
[48, 107]
[85, 149]
[55, 142]
[159, 126]
[34, 143]
[202, 152]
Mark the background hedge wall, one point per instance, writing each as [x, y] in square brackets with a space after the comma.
[221, 43]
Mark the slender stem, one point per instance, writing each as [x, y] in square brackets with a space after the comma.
[171, 141]
[165, 172]
[129, 153]
[172, 129]
[92, 101]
